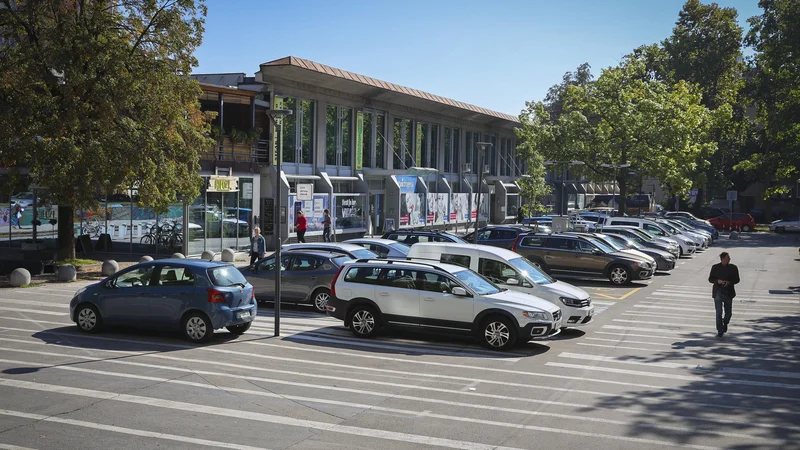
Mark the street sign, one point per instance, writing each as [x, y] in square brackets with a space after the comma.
[733, 196]
[560, 224]
[220, 183]
[305, 191]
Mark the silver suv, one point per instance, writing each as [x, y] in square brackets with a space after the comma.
[370, 294]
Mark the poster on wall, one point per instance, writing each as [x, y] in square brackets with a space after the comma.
[350, 213]
[411, 210]
[484, 206]
[460, 207]
[312, 209]
[438, 211]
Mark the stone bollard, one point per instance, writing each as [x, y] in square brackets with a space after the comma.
[145, 258]
[228, 255]
[177, 256]
[110, 267]
[19, 277]
[207, 256]
[734, 235]
[67, 272]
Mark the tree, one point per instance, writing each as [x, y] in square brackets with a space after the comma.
[96, 97]
[775, 37]
[554, 100]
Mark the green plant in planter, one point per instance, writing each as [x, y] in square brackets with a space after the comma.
[254, 134]
[216, 131]
[238, 136]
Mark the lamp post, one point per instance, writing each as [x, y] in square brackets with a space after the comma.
[482, 146]
[563, 164]
[615, 167]
[272, 114]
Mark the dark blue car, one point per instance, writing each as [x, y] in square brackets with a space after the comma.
[194, 296]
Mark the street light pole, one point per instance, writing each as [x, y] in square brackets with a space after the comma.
[482, 146]
[272, 113]
[615, 167]
[562, 203]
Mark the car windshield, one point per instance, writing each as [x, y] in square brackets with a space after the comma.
[611, 243]
[340, 260]
[364, 254]
[670, 228]
[629, 242]
[226, 276]
[477, 283]
[457, 239]
[402, 248]
[532, 272]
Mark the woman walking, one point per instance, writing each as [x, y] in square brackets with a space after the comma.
[301, 227]
[326, 226]
[258, 247]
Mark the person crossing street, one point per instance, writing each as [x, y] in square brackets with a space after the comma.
[723, 276]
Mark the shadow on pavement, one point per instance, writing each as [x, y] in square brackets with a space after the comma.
[749, 378]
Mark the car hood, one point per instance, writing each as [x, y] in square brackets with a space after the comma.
[632, 257]
[521, 300]
[656, 253]
[566, 290]
[640, 254]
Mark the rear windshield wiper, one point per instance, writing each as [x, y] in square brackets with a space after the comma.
[239, 284]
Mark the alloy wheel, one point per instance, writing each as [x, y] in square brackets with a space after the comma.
[196, 328]
[363, 322]
[496, 334]
[321, 301]
[87, 319]
[619, 275]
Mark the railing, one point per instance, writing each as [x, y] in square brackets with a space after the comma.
[227, 150]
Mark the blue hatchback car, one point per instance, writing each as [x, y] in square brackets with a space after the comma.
[194, 296]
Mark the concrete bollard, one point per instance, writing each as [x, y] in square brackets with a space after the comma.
[110, 267]
[207, 256]
[19, 277]
[67, 272]
[145, 258]
[177, 256]
[734, 235]
[228, 255]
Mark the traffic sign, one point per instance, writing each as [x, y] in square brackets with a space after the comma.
[733, 196]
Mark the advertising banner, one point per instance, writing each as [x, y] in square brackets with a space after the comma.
[460, 207]
[408, 183]
[411, 210]
[438, 211]
[349, 212]
[312, 209]
[484, 206]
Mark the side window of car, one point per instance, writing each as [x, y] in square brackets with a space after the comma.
[305, 262]
[379, 250]
[653, 229]
[135, 278]
[497, 272]
[583, 246]
[433, 282]
[398, 278]
[269, 263]
[459, 260]
[484, 235]
[504, 234]
[175, 276]
[364, 275]
[558, 244]
[532, 241]
[393, 237]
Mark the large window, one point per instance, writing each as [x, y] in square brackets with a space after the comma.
[380, 140]
[338, 136]
[403, 143]
[492, 154]
[296, 142]
[367, 139]
[373, 138]
[427, 140]
[452, 150]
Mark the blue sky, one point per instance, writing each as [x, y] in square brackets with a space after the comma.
[492, 53]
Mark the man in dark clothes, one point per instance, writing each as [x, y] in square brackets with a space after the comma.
[723, 276]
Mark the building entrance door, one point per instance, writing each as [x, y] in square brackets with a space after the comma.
[376, 213]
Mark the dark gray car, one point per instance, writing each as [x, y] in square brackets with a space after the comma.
[385, 248]
[305, 277]
[642, 238]
[665, 260]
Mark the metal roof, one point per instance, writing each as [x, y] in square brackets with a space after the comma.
[293, 61]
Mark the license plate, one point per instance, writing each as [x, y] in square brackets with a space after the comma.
[243, 314]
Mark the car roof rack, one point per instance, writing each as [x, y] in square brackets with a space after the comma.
[399, 261]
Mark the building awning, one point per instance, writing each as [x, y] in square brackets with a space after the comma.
[301, 177]
[343, 178]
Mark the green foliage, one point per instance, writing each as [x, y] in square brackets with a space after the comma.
[254, 134]
[97, 95]
[238, 136]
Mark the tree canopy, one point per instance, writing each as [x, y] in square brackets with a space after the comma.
[96, 97]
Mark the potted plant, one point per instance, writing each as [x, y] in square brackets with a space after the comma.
[238, 136]
[253, 135]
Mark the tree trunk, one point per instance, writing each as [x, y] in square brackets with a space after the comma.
[623, 195]
[66, 232]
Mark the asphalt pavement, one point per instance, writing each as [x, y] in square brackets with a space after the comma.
[648, 373]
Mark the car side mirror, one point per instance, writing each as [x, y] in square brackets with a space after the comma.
[109, 284]
[460, 292]
[597, 252]
[512, 282]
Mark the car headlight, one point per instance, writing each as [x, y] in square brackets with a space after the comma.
[80, 291]
[572, 302]
[537, 315]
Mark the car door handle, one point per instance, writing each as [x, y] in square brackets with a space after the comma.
[313, 278]
[383, 294]
[430, 299]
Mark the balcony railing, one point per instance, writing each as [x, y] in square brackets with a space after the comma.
[227, 150]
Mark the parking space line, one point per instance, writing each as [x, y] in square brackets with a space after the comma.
[630, 293]
[679, 334]
[12, 447]
[121, 430]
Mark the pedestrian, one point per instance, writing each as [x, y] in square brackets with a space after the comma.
[258, 248]
[16, 215]
[723, 276]
[326, 225]
[301, 227]
[520, 215]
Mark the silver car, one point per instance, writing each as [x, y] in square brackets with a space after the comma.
[351, 250]
[385, 248]
[305, 277]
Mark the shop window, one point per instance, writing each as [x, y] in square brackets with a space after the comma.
[452, 149]
[403, 143]
[296, 142]
[338, 136]
[307, 111]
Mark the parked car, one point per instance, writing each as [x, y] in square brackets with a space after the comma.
[685, 215]
[609, 241]
[575, 255]
[709, 212]
[701, 242]
[502, 236]
[411, 237]
[735, 221]
[306, 277]
[707, 235]
[23, 199]
[384, 248]
[698, 225]
[644, 239]
[369, 295]
[686, 245]
[781, 226]
[665, 261]
[509, 270]
[352, 250]
[194, 296]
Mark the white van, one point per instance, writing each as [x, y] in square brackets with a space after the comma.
[510, 270]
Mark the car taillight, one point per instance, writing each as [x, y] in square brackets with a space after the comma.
[514, 245]
[333, 282]
[215, 296]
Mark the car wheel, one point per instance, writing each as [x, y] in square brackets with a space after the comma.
[88, 318]
[619, 275]
[364, 321]
[746, 228]
[239, 329]
[498, 333]
[320, 298]
[197, 327]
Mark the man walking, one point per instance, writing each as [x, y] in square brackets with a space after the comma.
[258, 248]
[723, 276]
[326, 225]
